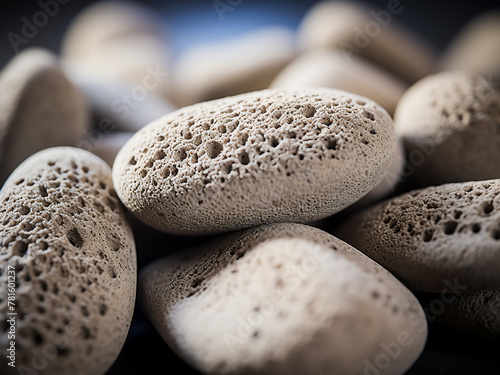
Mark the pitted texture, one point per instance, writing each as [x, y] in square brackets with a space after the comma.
[280, 299]
[435, 235]
[39, 108]
[450, 125]
[63, 231]
[262, 157]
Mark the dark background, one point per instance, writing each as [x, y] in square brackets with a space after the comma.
[195, 21]
[191, 22]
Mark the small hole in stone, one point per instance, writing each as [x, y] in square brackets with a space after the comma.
[369, 115]
[476, 228]
[273, 141]
[428, 235]
[85, 169]
[449, 227]
[19, 248]
[20, 181]
[23, 210]
[213, 149]
[331, 144]
[309, 111]
[487, 207]
[37, 337]
[132, 161]
[144, 173]
[244, 158]
[43, 191]
[74, 238]
[496, 234]
[103, 309]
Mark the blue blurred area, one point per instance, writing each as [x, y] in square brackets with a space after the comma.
[194, 23]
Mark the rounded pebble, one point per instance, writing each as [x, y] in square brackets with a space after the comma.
[124, 40]
[256, 158]
[475, 48]
[242, 64]
[328, 68]
[450, 125]
[433, 236]
[282, 299]
[63, 232]
[39, 108]
[374, 34]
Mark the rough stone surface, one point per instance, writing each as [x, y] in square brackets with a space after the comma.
[39, 108]
[281, 299]
[430, 237]
[242, 64]
[450, 125]
[355, 31]
[263, 157]
[63, 231]
[328, 68]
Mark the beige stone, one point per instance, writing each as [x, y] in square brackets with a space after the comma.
[39, 108]
[371, 33]
[433, 236]
[241, 64]
[476, 49]
[282, 299]
[450, 125]
[64, 232]
[123, 40]
[329, 68]
[262, 157]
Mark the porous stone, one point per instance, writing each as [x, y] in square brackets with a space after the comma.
[63, 232]
[123, 40]
[329, 68]
[241, 64]
[374, 34]
[256, 158]
[475, 48]
[282, 299]
[433, 236]
[39, 108]
[450, 125]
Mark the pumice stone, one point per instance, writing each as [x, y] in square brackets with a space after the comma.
[261, 157]
[39, 108]
[433, 236]
[70, 257]
[283, 299]
[450, 125]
